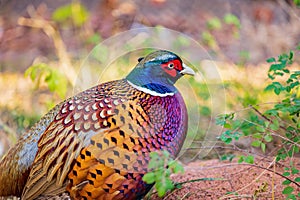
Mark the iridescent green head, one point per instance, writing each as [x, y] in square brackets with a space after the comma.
[158, 72]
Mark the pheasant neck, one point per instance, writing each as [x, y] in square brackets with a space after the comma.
[153, 89]
[151, 83]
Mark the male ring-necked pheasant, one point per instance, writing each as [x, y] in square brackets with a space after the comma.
[96, 144]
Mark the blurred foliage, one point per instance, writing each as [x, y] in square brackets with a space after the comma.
[55, 80]
[281, 121]
[94, 39]
[297, 3]
[209, 39]
[228, 157]
[244, 57]
[232, 20]
[23, 120]
[74, 12]
[217, 24]
[214, 24]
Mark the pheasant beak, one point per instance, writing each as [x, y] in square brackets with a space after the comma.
[187, 70]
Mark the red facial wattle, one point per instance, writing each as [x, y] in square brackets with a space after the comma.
[172, 67]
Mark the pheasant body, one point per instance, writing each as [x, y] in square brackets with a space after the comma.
[97, 146]
[15, 165]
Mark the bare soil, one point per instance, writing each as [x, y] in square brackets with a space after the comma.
[261, 180]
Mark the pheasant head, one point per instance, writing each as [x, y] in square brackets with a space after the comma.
[158, 72]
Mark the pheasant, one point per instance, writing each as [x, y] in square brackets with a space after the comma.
[96, 145]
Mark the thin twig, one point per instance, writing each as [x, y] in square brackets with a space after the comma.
[265, 117]
[198, 180]
[271, 131]
[60, 47]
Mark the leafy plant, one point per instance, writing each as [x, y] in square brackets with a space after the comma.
[161, 166]
[214, 24]
[232, 20]
[209, 39]
[75, 12]
[217, 24]
[55, 80]
[228, 157]
[281, 120]
[297, 2]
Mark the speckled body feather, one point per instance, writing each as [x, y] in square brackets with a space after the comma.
[15, 165]
[96, 144]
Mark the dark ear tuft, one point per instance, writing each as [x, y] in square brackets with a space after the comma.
[140, 59]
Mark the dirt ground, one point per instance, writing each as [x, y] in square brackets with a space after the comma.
[238, 181]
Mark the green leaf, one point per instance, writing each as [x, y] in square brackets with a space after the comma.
[56, 81]
[268, 138]
[270, 60]
[291, 55]
[183, 41]
[277, 66]
[79, 14]
[296, 149]
[74, 11]
[155, 161]
[294, 170]
[241, 159]
[62, 13]
[236, 135]
[256, 143]
[205, 111]
[208, 39]
[178, 168]
[166, 154]
[149, 178]
[214, 24]
[163, 186]
[162, 165]
[221, 120]
[257, 135]
[249, 159]
[286, 182]
[272, 112]
[292, 197]
[260, 129]
[275, 125]
[226, 137]
[286, 71]
[169, 184]
[297, 179]
[263, 147]
[277, 91]
[159, 174]
[228, 126]
[287, 190]
[286, 173]
[228, 157]
[232, 19]
[161, 190]
[94, 39]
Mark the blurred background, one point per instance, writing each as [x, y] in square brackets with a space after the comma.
[43, 44]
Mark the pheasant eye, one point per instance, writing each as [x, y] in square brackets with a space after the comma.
[171, 65]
